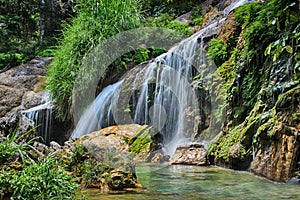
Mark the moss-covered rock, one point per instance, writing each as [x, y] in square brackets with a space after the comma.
[144, 143]
[261, 90]
[104, 159]
[268, 137]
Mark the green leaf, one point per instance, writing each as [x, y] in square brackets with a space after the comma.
[289, 49]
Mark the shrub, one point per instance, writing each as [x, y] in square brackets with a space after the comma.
[43, 180]
[30, 178]
[175, 7]
[167, 21]
[217, 51]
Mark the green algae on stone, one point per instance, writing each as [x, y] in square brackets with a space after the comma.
[143, 142]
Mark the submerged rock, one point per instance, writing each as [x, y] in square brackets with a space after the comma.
[194, 154]
[294, 181]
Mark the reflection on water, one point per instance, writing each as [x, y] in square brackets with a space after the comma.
[193, 182]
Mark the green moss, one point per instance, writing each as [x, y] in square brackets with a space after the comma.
[217, 51]
[141, 141]
[227, 142]
[240, 134]
[247, 76]
[286, 99]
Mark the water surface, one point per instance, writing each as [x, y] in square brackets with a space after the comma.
[194, 182]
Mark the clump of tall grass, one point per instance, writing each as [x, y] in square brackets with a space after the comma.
[96, 20]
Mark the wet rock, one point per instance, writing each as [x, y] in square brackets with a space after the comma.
[139, 140]
[55, 146]
[267, 142]
[119, 180]
[69, 143]
[111, 147]
[294, 181]
[15, 84]
[237, 157]
[194, 154]
[114, 148]
[32, 99]
[160, 158]
[9, 122]
[194, 122]
[22, 88]
[116, 137]
[276, 160]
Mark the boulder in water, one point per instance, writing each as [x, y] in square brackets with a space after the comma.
[114, 147]
[160, 158]
[140, 141]
[194, 154]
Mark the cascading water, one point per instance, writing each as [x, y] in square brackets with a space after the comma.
[166, 95]
[99, 113]
[41, 116]
[173, 94]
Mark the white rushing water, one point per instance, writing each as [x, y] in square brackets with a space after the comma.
[99, 113]
[164, 105]
[41, 116]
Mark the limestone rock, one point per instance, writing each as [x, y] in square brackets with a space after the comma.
[136, 139]
[185, 18]
[193, 154]
[276, 161]
[111, 146]
[160, 158]
[15, 84]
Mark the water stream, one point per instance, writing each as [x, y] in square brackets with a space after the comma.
[194, 182]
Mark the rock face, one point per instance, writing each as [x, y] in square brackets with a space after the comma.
[115, 147]
[160, 158]
[267, 143]
[276, 161]
[194, 154]
[185, 18]
[22, 88]
[14, 85]
[276, 158]
[262, 116]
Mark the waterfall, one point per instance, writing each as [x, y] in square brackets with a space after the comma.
[173, 95]
[41, 116]
[166, 97]
[100, 113]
